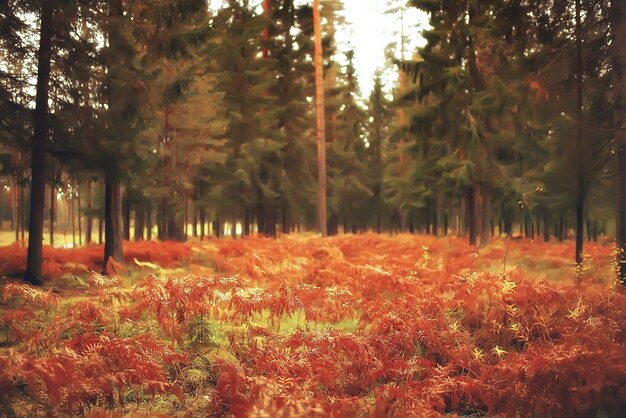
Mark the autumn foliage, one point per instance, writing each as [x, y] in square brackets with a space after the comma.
[349, 326]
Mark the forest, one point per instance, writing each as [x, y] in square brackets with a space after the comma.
[212, 209]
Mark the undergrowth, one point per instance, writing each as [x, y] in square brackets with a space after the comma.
[350, 326]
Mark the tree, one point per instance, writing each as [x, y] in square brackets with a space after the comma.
[618, 21]
[321, 120]
[40, 146]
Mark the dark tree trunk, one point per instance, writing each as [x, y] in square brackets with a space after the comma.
[100, 228]
[580, 180]
[526, 229]
[53, 200]
[126, 207]
[88, 225]
[435, 223]
[113, 230]
[140, 222]
[217, 228]
[580, 230]
[333, 225]
[618, 23]
[445, 224]
[561, 227]
[80, 219]
[73, 221]
[39, 148]
[148, 221]
[485, 215]
[474, 214]
[546, 227]
[202, 223]
[194, 227]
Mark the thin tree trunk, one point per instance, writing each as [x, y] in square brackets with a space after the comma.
[140, 221]
[100, 228]
[546, 227]
[474, 214]
[618, 23]
[580, 180]
[53, 200]
[88, 225]
[80, 222]
[72, 211]
[39, 148]
[126, 210]
[321, 134]
[485, 216]
[203, 223]
[149, 221]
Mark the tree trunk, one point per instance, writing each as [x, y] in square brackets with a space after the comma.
[72, 210]
[546, 227]
[126, 209]
[148, 221]
[445, 224]
[113, 230]
[88, 225]
[53, 200]
[39, 148]
[100, 228]
[474, 209]
[580, 180]
[485, 216]
[321, 134]
[618, 23]
[202, 223]
[461, 224]
[140, 222]
[80, 223]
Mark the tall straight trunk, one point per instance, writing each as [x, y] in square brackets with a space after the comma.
[461, 224]
[321, 134]
[526, 227]
[589, 233]
[618, 23]
[89, 218]
[53, 200]
[580, 179]
[435, 228]
[474, 213]
[561, 226]
[148, 221]
[126, 210]
[72, 211]
[80, 222]
[485, 216]
[39, 148]
[203, 223]
[23, 215]
[217, 228]
[445, 223]
[100, 228]
[140, 222]
[194, 226]
[113, 229]
[546, 227]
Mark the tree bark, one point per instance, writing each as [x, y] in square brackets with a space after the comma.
[474, 214]
[40, 148]
[140, 222]
[113, 230]
[321, 134]
[52, 209]
[149, 221]
[618, 23]
[580, 179]
[89, 218]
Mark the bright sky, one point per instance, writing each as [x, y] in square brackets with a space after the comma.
[368, 31]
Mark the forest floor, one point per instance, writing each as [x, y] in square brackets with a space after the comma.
[348, 326]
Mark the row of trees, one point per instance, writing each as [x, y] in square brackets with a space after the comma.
[175, 114]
